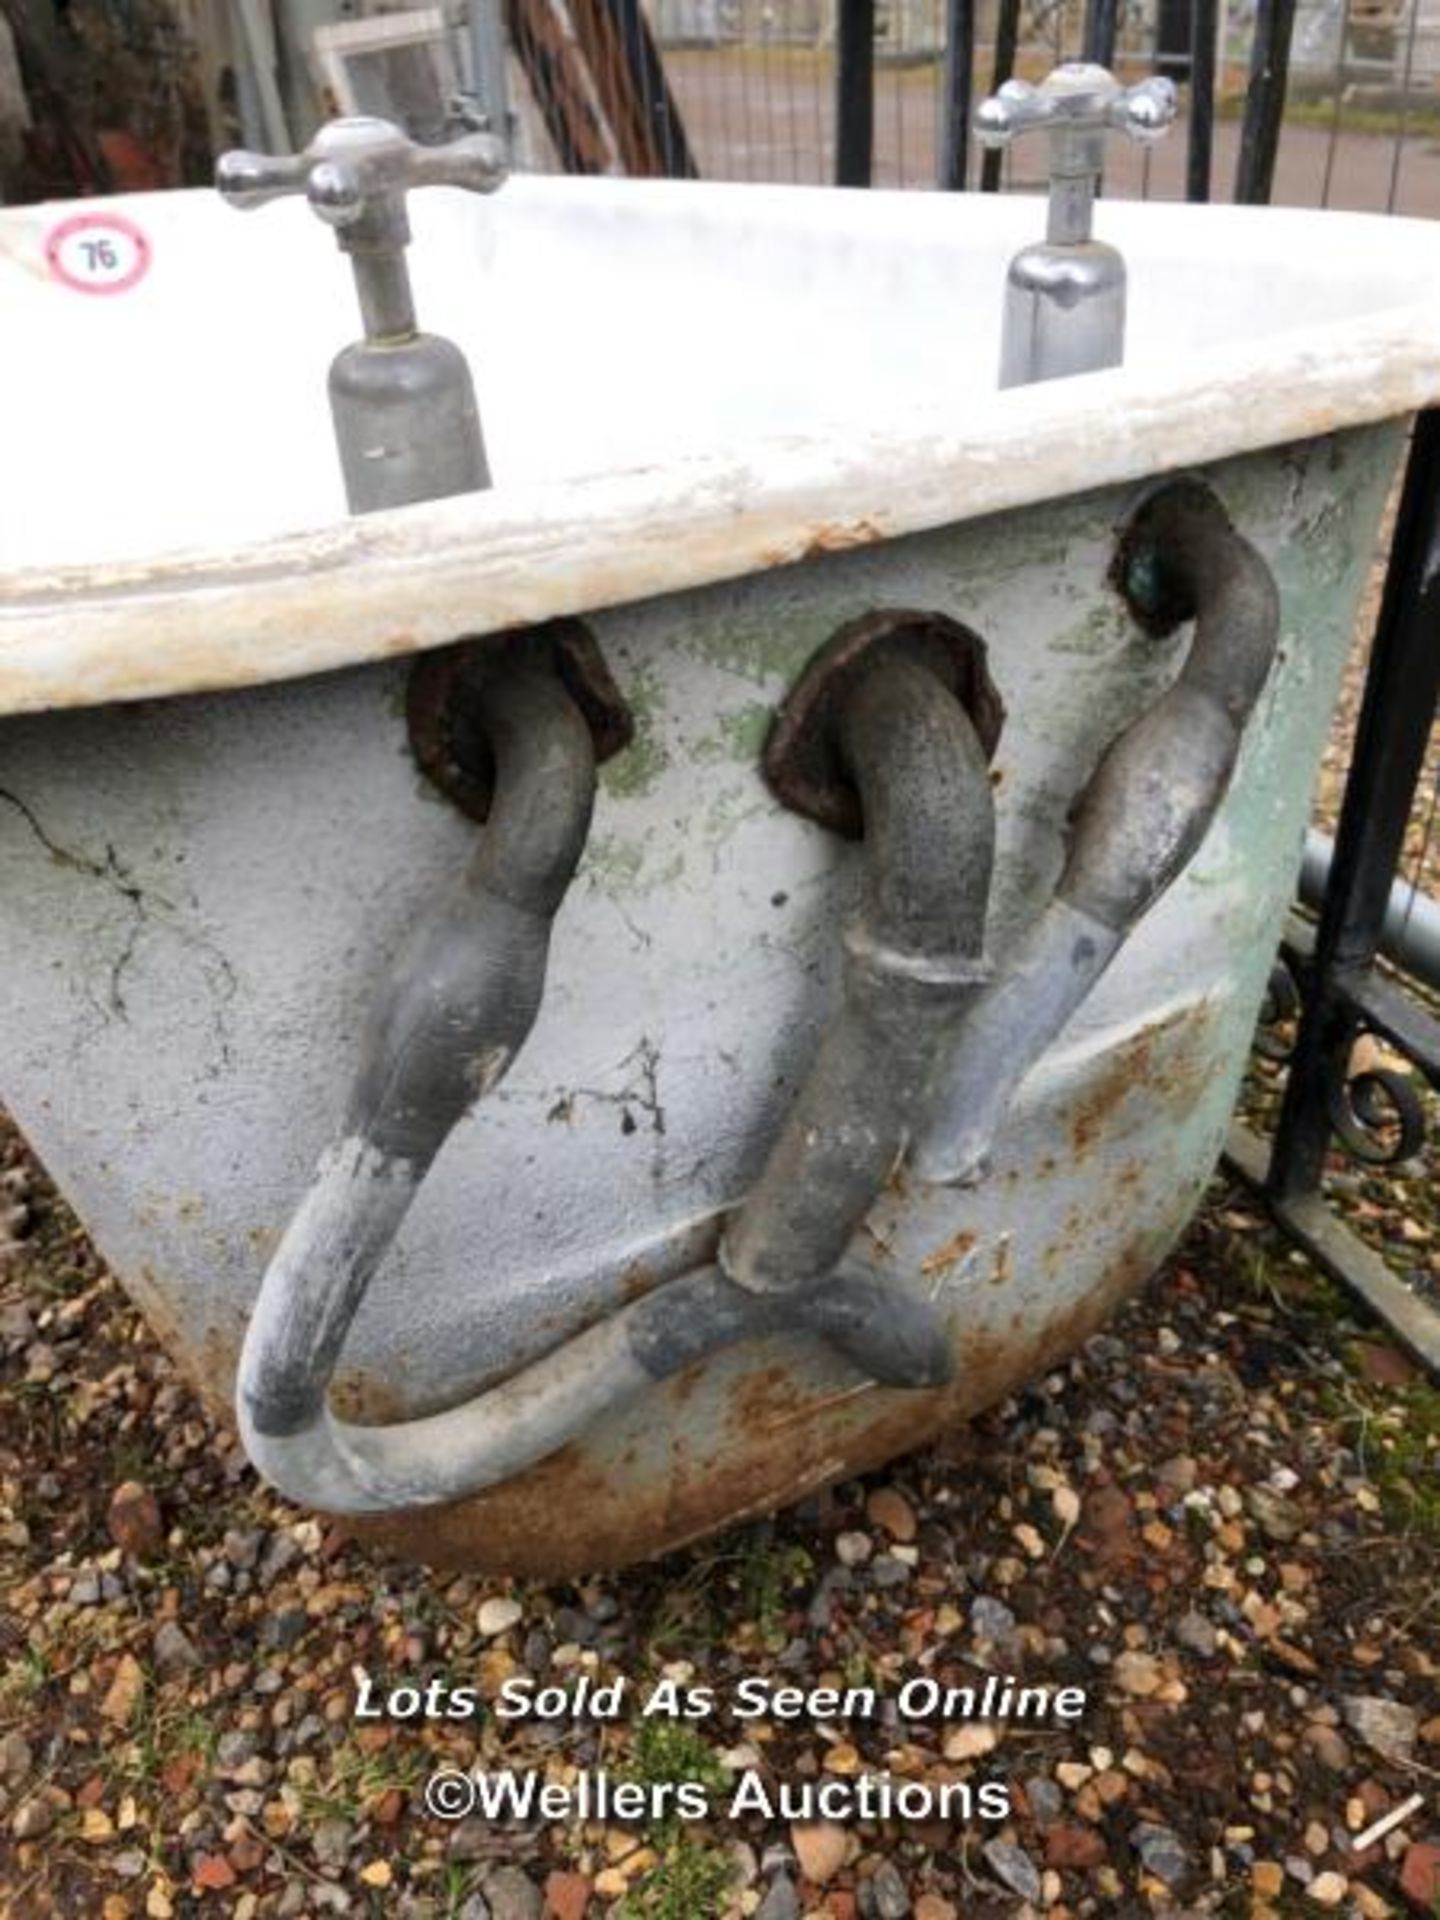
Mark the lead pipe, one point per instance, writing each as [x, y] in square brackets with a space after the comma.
[453, 1012]
[458, 1006]
[913, 959]
[1143, 813]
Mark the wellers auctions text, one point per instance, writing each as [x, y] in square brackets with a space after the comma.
[522, 1797]
[919, 1697]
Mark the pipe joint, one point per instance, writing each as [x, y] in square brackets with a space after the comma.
[931, 980]
[916, 763]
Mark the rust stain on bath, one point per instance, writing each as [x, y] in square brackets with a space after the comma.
[883, 1248]
[698, 1463]
[576, 1513]
[948, 1253]
[766, 1399]
[830, 536]
[684, 1383]
[368, 1401]
[837, 536]
[1168, 1060]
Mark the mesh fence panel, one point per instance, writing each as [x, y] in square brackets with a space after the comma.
[755, 81]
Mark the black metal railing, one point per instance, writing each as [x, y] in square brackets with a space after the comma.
[1330, 980]
[1264, 99]
[1293, 104]
[1200, 146]
[855, 93]
[1283, 76]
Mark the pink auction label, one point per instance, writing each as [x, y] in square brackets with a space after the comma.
[98, 253]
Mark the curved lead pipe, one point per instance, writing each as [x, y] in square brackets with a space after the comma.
[459, 1004]
[1144, 812]
[913, 958]
[329, 1463]
[451, 1017]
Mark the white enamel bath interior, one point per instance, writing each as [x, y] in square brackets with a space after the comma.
[684, 389]
[678, 384]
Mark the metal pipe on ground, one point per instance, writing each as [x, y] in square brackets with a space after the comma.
[1410, 931]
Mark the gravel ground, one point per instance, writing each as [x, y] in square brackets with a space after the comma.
[1221, 1521]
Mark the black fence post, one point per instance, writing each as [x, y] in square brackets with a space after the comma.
[1100, 24]
[855, 93]
[1391, 737]
[1007, 44]
[959, 90]
[1204, 23]
[646, 72]
[1264, 102]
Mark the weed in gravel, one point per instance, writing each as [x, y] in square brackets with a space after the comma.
[687, 1613]
[750, 1562]
[355, 1779]
[1406, 1462]
[22, 1681]
[690, 1883]
[460, 1883]
[668, 1750]
[154, 1742]
[692, 1874]
[767, 1570]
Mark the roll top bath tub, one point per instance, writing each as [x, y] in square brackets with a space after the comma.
[689, 910]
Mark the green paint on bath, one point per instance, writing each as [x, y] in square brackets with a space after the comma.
[729, 810]
[1100, 629]
[765, 634]
[739, 734]
[635, 771]
[753, 653]
[621, 868]
[611, 862]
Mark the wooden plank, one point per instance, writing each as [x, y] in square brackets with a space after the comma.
[660, 108]
[557, 80]
[619, 98]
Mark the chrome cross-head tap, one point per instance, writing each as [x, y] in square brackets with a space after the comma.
[356, 172]
[1076, 105]
[406, 420]
[1065, 296]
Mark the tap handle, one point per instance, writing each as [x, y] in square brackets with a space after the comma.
[360, 166]
[1077, 104]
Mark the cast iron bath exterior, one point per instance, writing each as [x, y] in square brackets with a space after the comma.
[213, 853]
